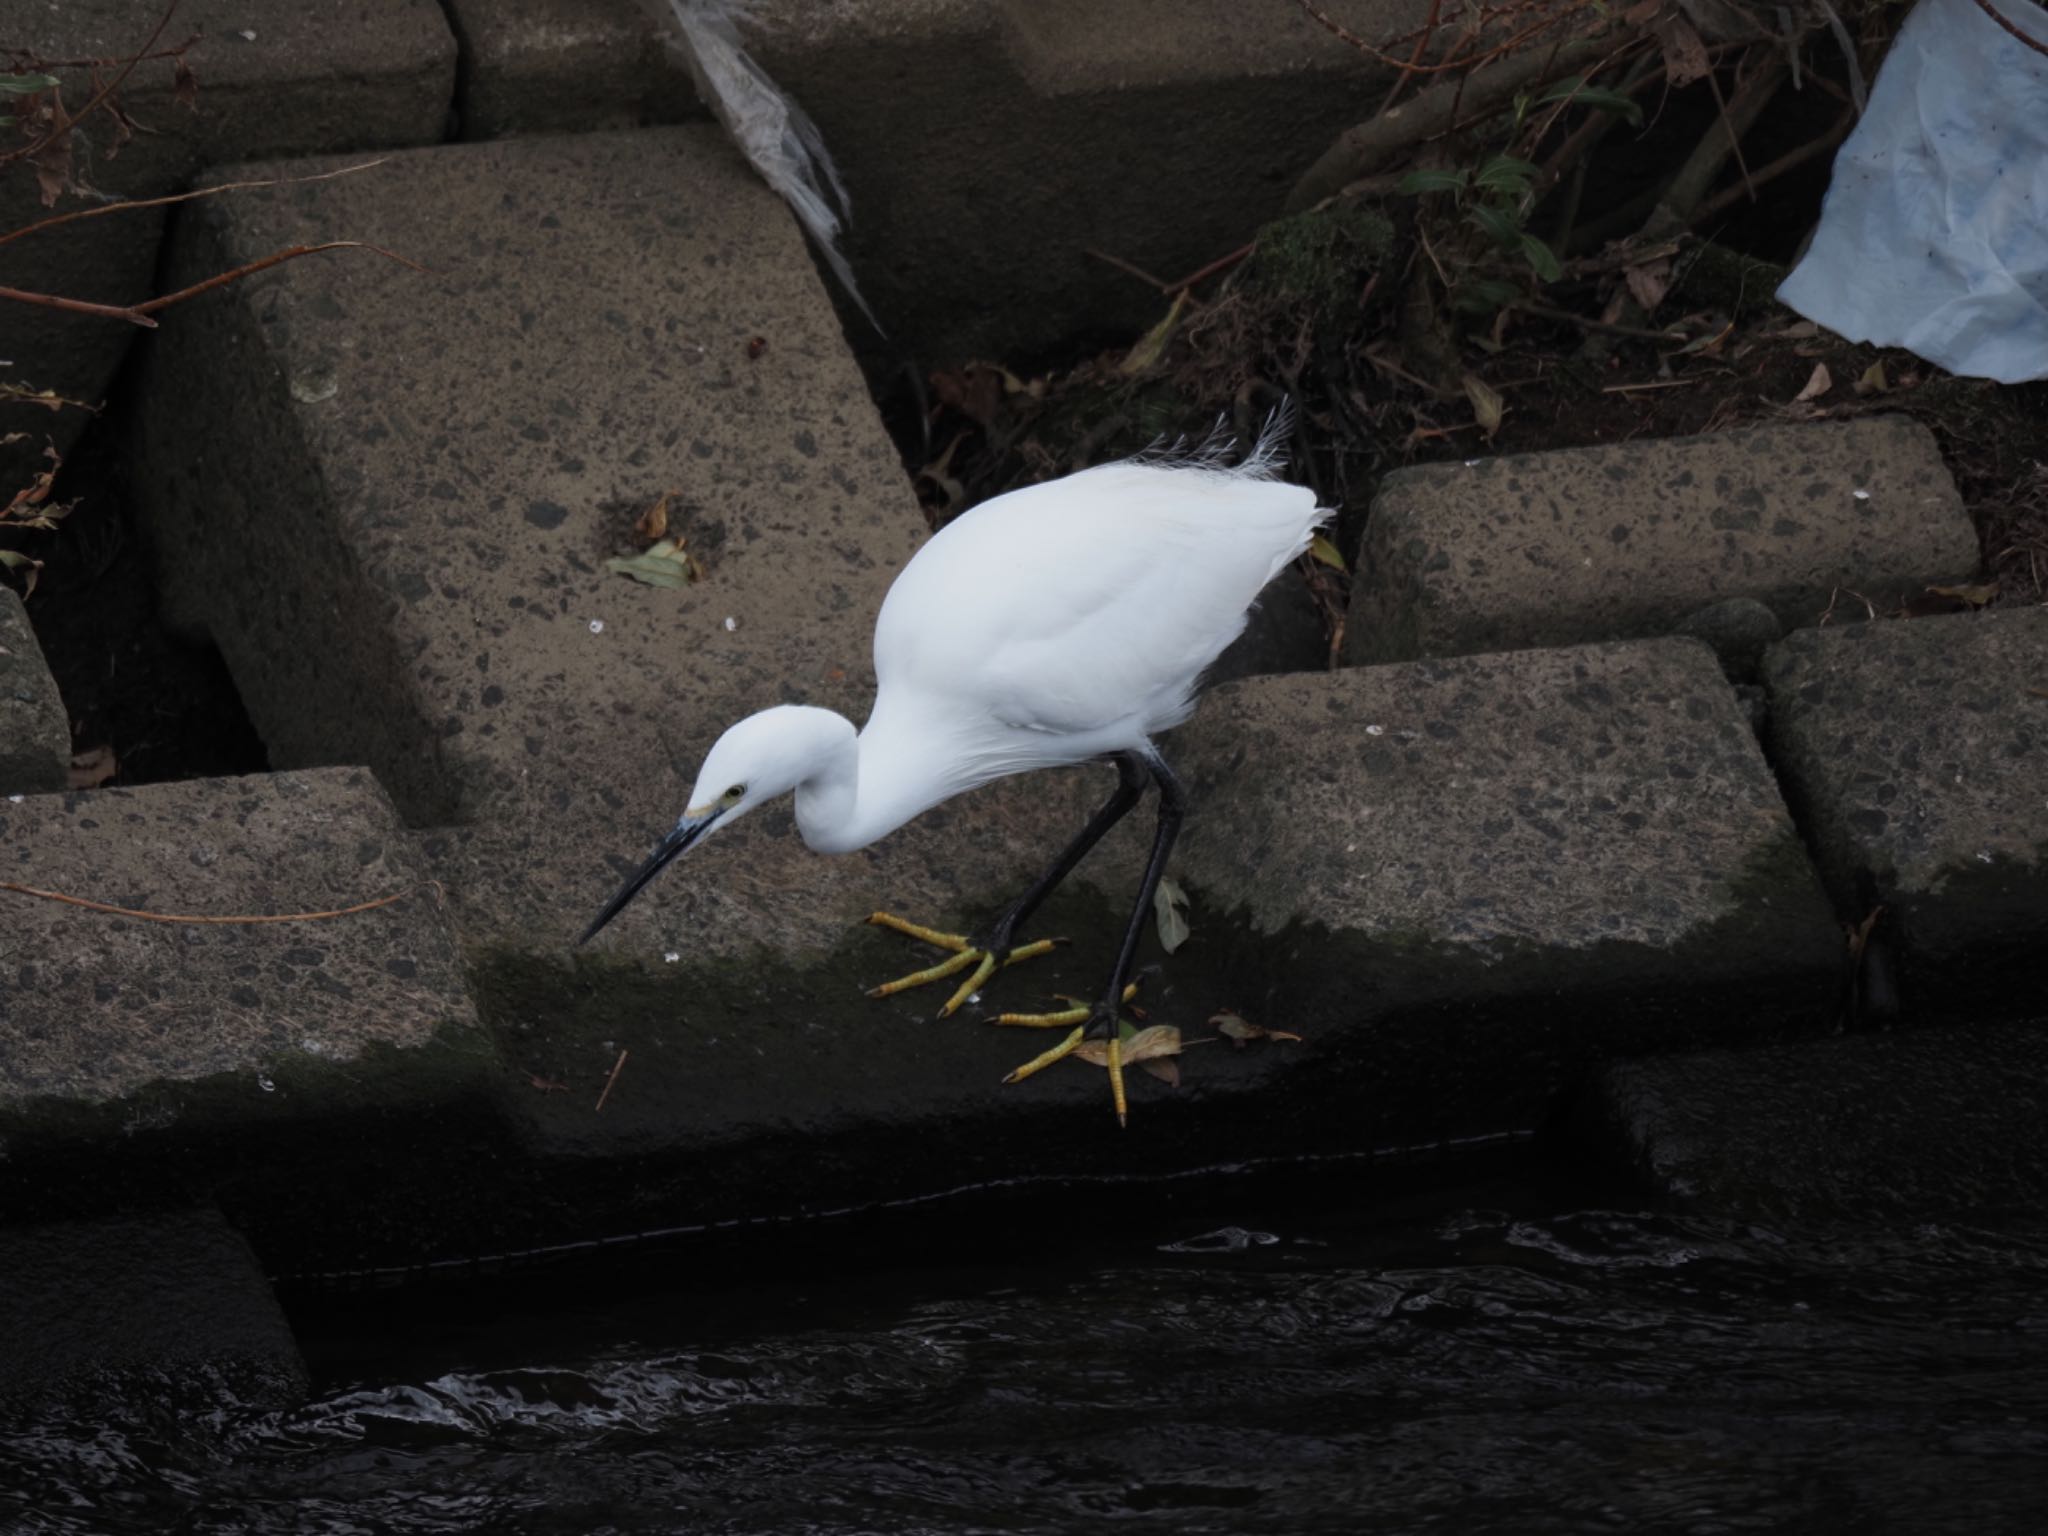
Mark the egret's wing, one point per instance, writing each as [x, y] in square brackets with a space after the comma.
[1072, 606]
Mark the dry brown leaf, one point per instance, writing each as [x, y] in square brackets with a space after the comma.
[1165, 1069]
[1818, 384]
[1154, 1040]
[1649, 282]
[1487, 405]
[1969, 596]
[1873, 381]
[1685, 53]
[93, 767]
[653, 523]
[1238, 1028]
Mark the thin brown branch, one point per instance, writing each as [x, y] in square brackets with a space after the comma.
[1444, 66]
[37, 146]
[1765, 174]
[1734, 134]
[276, 258]
[1370, 146]
[1220, 264]
[24, 59]
[179, 917]
[1992, 11]
[1639, 333]
[78, 306]
[609, 1081]
[131, 204]
[1124, 266]
[1422, 41]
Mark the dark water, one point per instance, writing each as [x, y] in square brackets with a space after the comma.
[1488, 1363]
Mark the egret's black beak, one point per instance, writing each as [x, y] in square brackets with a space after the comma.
[686, 832]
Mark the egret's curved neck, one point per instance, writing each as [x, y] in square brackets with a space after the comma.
[865, 786]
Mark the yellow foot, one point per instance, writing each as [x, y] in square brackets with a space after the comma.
[1113, 1058]
[1107, 1053]
[965, 954]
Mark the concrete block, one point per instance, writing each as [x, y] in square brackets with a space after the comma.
[1916, 753]
[1632, 538]
[171, 1309]
[1484, 870]
[139, 1056]
[568, 66]
[35, 733]
[285, 80]
[1941, 1123]
[971, 137]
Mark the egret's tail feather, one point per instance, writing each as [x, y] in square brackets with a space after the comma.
[1215, 450]
[778, 138]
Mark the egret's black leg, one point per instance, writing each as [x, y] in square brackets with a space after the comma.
[1173, 805]
[1103, 1021]
[1130, 784]
[994, 947]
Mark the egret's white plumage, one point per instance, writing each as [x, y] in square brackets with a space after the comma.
[1056, 624]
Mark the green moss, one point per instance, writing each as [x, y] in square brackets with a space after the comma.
[1714, 277]
[1320, 259]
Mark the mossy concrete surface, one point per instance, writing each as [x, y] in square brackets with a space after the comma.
[1466, 876]
[1917, 753]
[1925, 1122]
[1631, 539]
[141, 1058]
[35, 734]
[171, 1308]
[272, 80]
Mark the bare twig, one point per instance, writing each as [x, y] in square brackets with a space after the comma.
[608, 1083]
[128, 205]
[175, 917]
[1547, 312]
[1765, 174]
[78, 306]
[1992, 11]
[1220, 264]
[37, 146]
[1369, 146]
[1124, 266]
[149, 306]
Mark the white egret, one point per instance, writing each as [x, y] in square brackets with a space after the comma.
[1061, 623]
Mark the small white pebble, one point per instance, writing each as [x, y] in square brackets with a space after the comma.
[16, 799]
[597, 626]
[1861, 495]
[671, 956]
[731, 623]
[247, 34]
[263, 1081]
[1983, 858]
[1471, 463]
[1375, 730]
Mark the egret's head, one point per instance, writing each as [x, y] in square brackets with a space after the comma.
[762, 757]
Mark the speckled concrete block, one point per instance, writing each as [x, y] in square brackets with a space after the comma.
[1489, 867]
[1631, 539]
[173, 1309]
[191, 1048]
[273, 80]
[971, 228]
[35, 735]
[1933, 1123]
[1917, 753]
[402, 551]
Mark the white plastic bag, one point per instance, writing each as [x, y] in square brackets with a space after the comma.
[1934, 236]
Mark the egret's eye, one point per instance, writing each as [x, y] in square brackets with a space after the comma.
[736, 793]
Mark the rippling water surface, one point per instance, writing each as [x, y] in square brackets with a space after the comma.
[1473, 1371]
